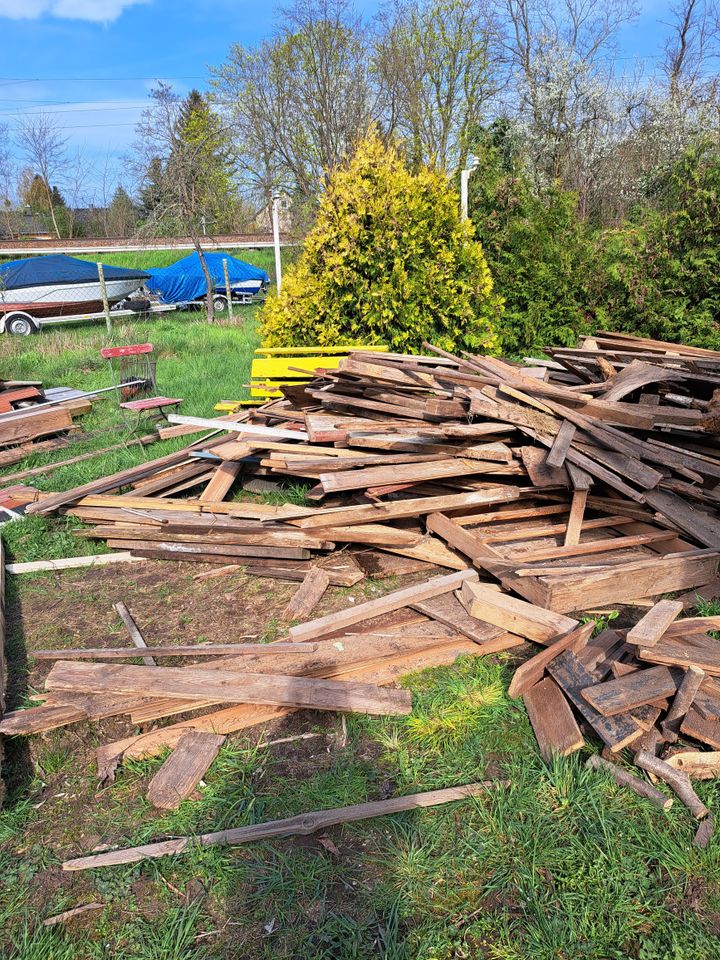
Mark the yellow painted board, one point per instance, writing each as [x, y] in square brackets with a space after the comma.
[301, 351]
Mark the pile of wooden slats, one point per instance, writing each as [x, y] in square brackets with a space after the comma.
[567, 485]
[31, 422]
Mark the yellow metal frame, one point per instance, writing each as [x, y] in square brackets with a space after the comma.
[271, 369]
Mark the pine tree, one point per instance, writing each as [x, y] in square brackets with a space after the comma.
[151, 194]
[122, 215]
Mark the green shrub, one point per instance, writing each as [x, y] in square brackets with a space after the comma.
[388, 261]
[540, 252]
[662, 268]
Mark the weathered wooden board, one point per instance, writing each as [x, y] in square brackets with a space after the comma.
[552, 720]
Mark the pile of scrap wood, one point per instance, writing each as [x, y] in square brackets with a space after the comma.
[33, 420]
[565, 486]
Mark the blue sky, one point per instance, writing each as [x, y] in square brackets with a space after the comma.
[91, 63]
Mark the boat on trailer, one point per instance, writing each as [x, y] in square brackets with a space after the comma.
[57, 286]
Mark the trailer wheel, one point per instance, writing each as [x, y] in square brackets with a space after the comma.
[20, 324]
[220, 303]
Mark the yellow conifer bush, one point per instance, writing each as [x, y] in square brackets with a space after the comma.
[388, 261]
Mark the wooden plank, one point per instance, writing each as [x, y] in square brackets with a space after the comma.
[633, 690]
[552, 720]
[699, 728]
[227, 687]
[70, 563]
[376, 513]
[404, 473]
[179, 550]
[27, 425]
[530, 672]
[132, 628]
[590, 547]
[303, 825]
[308, 596]
[515, 616]
[681, 654]
[558, 451]
[699, 525]
[575, 520]
[186, 765]
[180, 650]
[234, 426]
[654, 624]
[448, 610]
[572, 677]
[221, 482]
[335, 622]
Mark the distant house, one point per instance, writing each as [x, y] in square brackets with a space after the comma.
[21, 224]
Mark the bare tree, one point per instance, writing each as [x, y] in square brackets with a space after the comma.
[7, 178]
[44, 149]
[692, 47]
[437, 62]
[298, 102]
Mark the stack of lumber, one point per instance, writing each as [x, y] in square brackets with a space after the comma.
[555, 490]
[33, 422]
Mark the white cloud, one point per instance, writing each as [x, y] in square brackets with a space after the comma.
[97, 11]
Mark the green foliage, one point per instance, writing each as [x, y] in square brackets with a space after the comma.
[662, 268]
[539, 251]
[388, 261]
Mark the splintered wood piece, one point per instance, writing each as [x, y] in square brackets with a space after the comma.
[698, 766]
[552, 720]
[304, 824]
[700, 728]
[516, 616]
[308, 595]
[572, 677]
[633, 690]
[70, 914]
[625, 779]
[558, 451]
[678, 782]
[531, 671]
[575, 520]
[653, 625]
[334, 622]
[682, 702]
[132, 628]
[228, 686]
[186, 765]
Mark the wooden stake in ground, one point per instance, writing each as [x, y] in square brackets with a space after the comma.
[308, 595]
[103, 292]
[302, 825]
[228, 289]
[135, 635]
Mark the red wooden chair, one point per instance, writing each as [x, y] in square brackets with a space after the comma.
[134, 369]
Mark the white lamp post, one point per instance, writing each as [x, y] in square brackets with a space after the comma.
[472, 162]
[276, 238]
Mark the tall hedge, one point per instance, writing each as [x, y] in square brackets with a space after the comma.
[661, 274]
[540, 252]
[388, 261]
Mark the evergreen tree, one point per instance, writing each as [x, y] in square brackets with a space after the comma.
[151, 193]
[122, 215]
[388, 261]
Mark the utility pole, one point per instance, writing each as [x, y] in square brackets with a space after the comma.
[472, 163]
[276, 238]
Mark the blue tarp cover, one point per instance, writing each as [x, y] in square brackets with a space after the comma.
[185, 280]
[58, 269]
